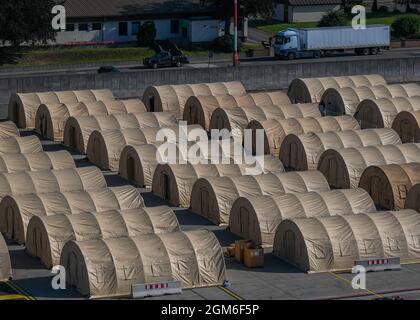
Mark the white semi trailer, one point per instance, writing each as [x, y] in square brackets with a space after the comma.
[315, 42]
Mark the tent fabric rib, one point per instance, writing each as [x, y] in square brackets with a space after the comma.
[275, 130]
[237, 119]
[29, 144]
[51, 119]
[47, 235]
[199, 109]
[24, 106]
[344, 167]
[302, 152]
[109, 267]
[257, 218]
[322, 244]
[8, 129]
[310, 90]
[17, 210]
[78, 129]
[38, 161]
[345, 100]
[213, 197]
[173, 97]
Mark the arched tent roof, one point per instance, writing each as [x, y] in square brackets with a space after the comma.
[380, 113]
[344, 167]
[17, 210]
[333, 243]
[138, 163]
[303, 152]
[104, 147]
[29, 144]
[413, 198]
[8, 129]
[5, 264]
[388, 184]
[193, 257]
[50, 119]
[407, 125]
[342, 101]
[198, 109]
[213, 197]
[38, 161]
[310, 90]
[174, 182]
[257, 218]
[28, 182]
[47, 235]
[174, 97]
[237, 119]
[78, 129]
[275, 130]
[24, 106]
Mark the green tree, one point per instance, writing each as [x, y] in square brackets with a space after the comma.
[26, 21]
[333, 18]
[147, 34]
[405, 27]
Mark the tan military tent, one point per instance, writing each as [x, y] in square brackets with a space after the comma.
[237, 119]
[174, 97]
[24, 106]
[257, 218]
[342, 101]
[29, 144]
[407, 125]
[335, 243]
[5, 264]
[50, 119]
[275, 130]
[78, 129]
[388, 185]
[213, 197]
[104, 147]
[174, 182]
[16, 210]
[47, 235]
[380, 113]
[96, 267]
[302, 152]
[198, 109]
[28, 182]
[413, 198]
[344, 167]
[8, 129]
[310, 90]
[38, 161]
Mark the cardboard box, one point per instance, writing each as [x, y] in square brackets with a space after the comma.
[254, 257]
[231, 250]
[239, 250]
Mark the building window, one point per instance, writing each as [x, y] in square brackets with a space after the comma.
[135, 26]
[175, 26]
[83, 27]
[122, 29]
[70, 27]
[97, 26]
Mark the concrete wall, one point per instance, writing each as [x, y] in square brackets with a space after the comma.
[254, 76]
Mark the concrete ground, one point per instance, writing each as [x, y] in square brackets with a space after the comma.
[277, 280]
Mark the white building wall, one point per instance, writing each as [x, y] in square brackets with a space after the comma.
[204, 30]
[110, 32]
[309, 13]
[279, 12]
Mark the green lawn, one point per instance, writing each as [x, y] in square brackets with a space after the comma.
[372, 18]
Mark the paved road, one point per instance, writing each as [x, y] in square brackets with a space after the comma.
[224, 60]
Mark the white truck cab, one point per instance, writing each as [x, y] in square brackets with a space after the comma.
[286, 43]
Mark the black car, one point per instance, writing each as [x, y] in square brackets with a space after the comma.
[108, 69]
[167, 55]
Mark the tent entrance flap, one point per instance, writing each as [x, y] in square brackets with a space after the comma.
[152, 103]
[72, 138]
[289, 245]
[131, 169]
[205, 205]
[166, 186]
